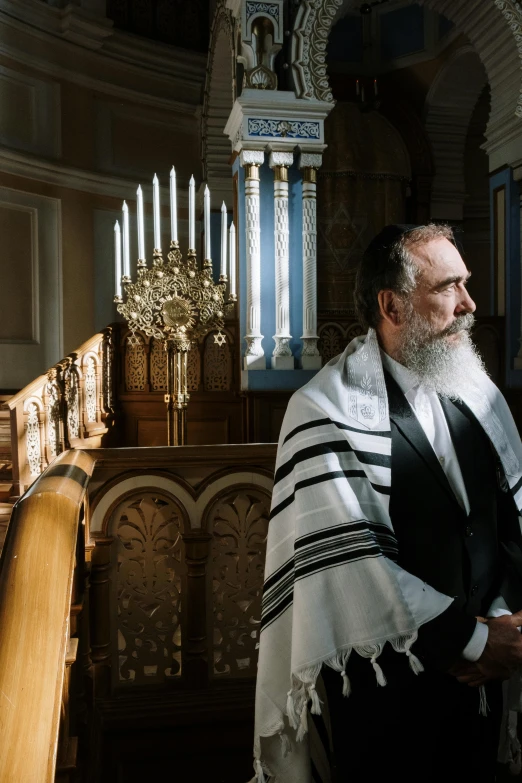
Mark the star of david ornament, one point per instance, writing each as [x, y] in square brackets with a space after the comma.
[220, 338]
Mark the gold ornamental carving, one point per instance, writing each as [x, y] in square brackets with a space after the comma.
[177, 303]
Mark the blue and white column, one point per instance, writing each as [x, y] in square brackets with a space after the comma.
[282, 358]
[310, 357]
[254, 358]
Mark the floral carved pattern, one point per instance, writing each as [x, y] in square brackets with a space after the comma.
[53, 416]
[331, 342]
[217, 365]
[72, 398]
[158, 366]
[239, 524]
[193, 368]
[32, 440]
[148, 589]
[90, 389]
[135, 365]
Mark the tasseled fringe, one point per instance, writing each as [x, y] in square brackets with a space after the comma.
[285, 744]
[303, 722]
[316, 701]
[415, 665]
[339, 664]
[290, 710]
[347, 688]
[258, 769]
[381, 679]
[483, 706]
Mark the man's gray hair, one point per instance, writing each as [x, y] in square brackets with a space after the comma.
[391, 267]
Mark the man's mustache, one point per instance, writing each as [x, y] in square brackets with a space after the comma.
[460, 324]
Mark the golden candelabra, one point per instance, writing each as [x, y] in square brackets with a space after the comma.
[178, 303]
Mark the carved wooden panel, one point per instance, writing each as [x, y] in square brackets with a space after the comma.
[238, 522]
[33, 444]
[330, 342]
[147, 577]
[217, 364]
[72, 398]
[90, 389]
[193, 368]
[158, 366]
[135, 364]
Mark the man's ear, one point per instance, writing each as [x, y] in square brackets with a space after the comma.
[388, 307]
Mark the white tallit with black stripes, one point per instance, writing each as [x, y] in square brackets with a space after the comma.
[332, 586]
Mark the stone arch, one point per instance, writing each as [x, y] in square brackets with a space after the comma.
[450, 102]
[482, 22]
[217, 105]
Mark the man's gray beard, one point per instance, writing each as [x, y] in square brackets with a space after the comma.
[452, 368]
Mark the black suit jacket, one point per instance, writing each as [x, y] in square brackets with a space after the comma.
[461, 555]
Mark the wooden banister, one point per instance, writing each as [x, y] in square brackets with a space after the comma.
[36, 576]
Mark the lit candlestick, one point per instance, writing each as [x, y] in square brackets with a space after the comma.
[156, 210]
[173, 207]
[192, 214]
[206, 216]
[232, 260]
[223, 268]
[375, 90]
[117, 257]
[141, 225]
[357, 87]
[126, 241]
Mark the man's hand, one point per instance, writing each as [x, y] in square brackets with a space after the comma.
[502, 654]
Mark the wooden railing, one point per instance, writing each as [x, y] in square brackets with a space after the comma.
[40, 602]
[71, 406]
[160, 618]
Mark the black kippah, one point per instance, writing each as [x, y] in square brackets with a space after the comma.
[389, 235]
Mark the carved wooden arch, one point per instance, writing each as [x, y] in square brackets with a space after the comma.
[132, 482]
[450, 103]
[237, 521]
[500, 21]
[146, 566]
[217, 104]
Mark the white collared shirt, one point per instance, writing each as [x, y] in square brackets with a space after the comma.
[428, 410]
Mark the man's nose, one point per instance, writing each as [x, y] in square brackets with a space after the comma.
[466, 303]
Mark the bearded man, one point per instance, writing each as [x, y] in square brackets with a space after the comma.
[393, 557]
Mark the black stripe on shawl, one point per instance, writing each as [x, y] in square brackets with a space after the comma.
[321, 422]
[326, 477]
[322, 549]
[346, 557]
[517, 486]
[333, 447]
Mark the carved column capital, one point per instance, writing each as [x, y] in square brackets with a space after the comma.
[310, 160]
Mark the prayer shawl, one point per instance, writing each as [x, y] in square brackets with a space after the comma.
[332, 586]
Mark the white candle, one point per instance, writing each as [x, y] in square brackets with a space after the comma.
[156, 210]
[126, 241]
[117, 257]
[223, 268]
[192, 214]
[206, 216]
[141, 224]
[173, 207]
[232, 259]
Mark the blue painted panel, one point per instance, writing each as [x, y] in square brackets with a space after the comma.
[345, 41]
[277, 380]
[513, 277]
[402, 32]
